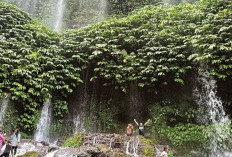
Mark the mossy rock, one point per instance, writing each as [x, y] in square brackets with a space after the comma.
[145, 140]
[147, 149]
[118, 153]
[74, 141]
[104, 148]
[30, 154]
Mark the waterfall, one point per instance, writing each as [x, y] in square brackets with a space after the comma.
[214, 114]
[59, 15]
[96, 140]
[28, 6]
[132, 146]
[78, 125]
[4, 105]
[42, 131]
[102, 10]
[135, 103]
[111, 141]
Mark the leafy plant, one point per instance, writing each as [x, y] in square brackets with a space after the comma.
[74, 141]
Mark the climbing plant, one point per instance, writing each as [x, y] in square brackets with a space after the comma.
[152, 47]
[33, 68]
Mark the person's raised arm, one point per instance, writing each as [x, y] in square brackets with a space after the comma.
[136, 122]
[147, 122]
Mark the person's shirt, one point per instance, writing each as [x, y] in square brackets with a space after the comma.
[164, 154]
[7, 149]
[1, 138]
[15, 139]
[141, 128]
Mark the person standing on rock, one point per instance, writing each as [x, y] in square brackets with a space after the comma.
[165, 152]
[129, 130]
[141, 126]
[7, 150]
[15, 139]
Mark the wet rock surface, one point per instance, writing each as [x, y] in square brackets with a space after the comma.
[94, 145]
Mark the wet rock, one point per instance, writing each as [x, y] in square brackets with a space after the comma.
[117, 153]
[71, 152]
[44, 143]
[103, 148]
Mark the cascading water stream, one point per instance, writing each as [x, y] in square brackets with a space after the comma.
[59, 15]
[4, 105]
[102, 10]
[96, 140]
[214, 115]
[132, 146]
[135, 103]
[42, 131]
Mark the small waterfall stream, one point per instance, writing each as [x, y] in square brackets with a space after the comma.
[4, 105]
[214, 115]
[132, 146]
[60, 6]
[102, 10]
[135, 103]
[42, 131]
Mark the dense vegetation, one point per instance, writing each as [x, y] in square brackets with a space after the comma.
[155, 49]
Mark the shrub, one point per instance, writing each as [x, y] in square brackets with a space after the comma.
[74, 141]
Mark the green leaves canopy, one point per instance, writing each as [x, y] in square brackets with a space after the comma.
[153, 46]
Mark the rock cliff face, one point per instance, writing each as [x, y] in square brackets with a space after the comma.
[99, 145]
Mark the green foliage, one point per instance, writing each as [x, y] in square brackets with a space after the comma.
[148, 147]
[33, 67]
[107, 116]
[10, 120]
[182, 134]
[74, 141]
[149, 151]
[126, 6]
[170, 154]
[174, 124]
[168, 114]
[25, 136]
[154, 47]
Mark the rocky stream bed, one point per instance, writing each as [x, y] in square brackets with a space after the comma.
[94, 145]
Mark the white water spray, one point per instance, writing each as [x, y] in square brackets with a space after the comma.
[59, 15]
[28, 6]
[42, 131]
[132, 146]
[51, 154]
[4, 105]
[111, 141]
[102, 10]
[214, 114]
[78, 125]
[96, 140]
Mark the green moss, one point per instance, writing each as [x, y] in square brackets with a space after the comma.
[149, 151]
[103, 147]
[31, 154]
[145, 140]
[74, 141]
